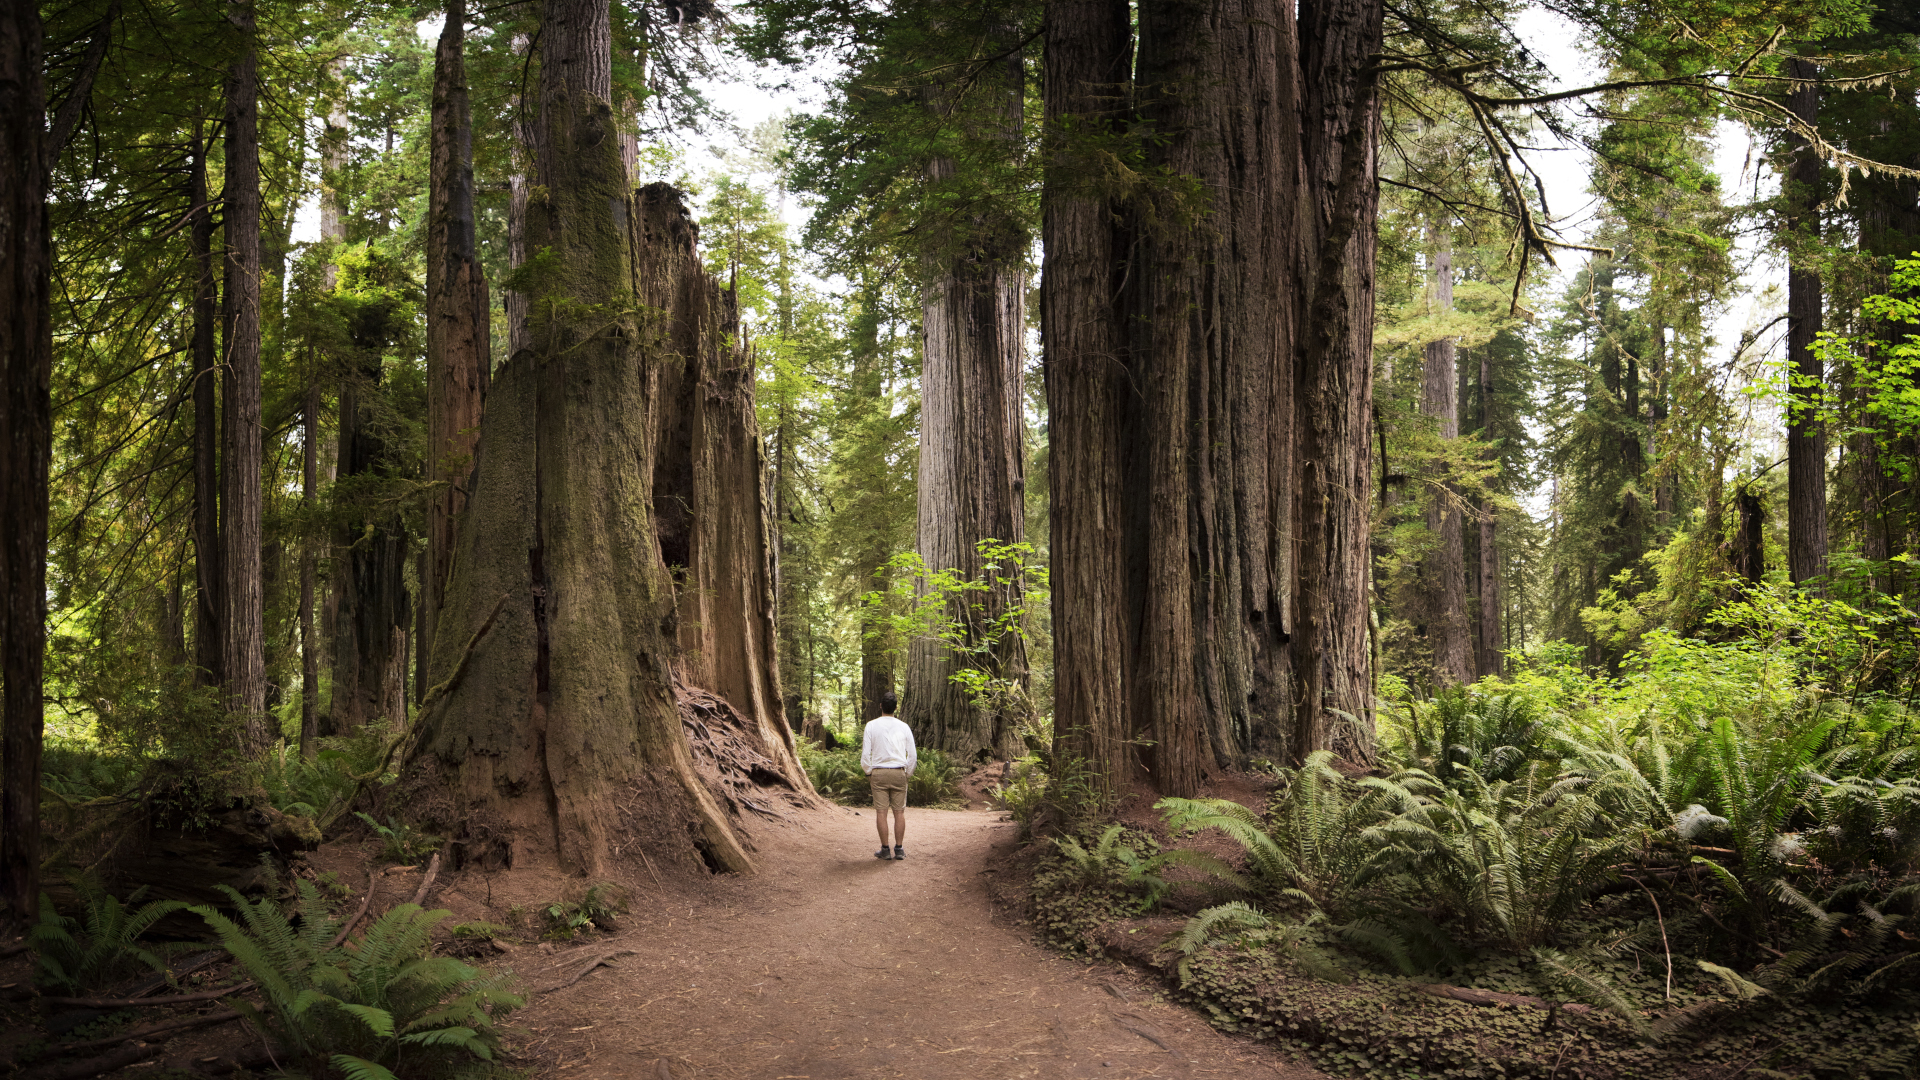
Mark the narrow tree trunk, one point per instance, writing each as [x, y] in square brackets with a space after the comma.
[244, 657]
[309, 567]
[26, 447]
[1806, 435]
[1492, 651]
[372, 619]
[209, 635]
[458, 349]
[1443, 571]
[558, 725]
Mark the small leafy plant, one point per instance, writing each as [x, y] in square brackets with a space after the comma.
[400, 842]
[595, 910]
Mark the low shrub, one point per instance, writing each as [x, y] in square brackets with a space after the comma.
[103, 945]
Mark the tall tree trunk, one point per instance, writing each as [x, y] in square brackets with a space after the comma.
[309, 567]
[26, 448]
[1491, 655]
[864, 408]
[458, 346]
[972, 471]
[1806, 435]
[1089, 51]
[1333, 376]
[514, 302]
[1443, 571]
[209, 636]
[372, 620]
[559, 726]
[243, 660]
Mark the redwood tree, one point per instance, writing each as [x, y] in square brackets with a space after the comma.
[26, 437]
[1443, 581]
[1806, 435]
[243, 660]
[566, 720]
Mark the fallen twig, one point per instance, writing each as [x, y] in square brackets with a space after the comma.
[1471, 996]
[433, 870]
[136, 1003]
[357, 916]
[591, 964]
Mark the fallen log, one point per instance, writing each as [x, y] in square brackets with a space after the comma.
[150, 1033]
[119, 1058]
[143, 1002]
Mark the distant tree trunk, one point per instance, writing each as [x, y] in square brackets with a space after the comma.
[458, 349]
[243, 661]
[309, 566]
[514, 302]
[560, 726]
[26, 448]
[972, 472]
[865, 403]
[1491, 655]
[1806, 435]
[1443, 575]
[209, 637]
[1750, 535]
[372, 620]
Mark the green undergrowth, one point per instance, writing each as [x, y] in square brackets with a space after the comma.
[837, 775]
[1712, 858]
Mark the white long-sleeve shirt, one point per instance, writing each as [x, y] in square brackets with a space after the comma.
[888, 745]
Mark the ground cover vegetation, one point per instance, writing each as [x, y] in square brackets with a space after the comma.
[1152, 393]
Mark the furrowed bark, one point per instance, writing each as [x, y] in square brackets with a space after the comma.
[244, 657]
[1806, 435]
[26, 447]
[1088, 53]
[458, 324]
[1491, 654]
[1443, 570]
[209, 637]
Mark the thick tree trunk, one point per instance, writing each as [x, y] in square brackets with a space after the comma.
[1806, 435]
[1443, 575]
[209, 639]
[1334, 375]
[1210, 455]
[309, 569]
[458, 324]
[26, 447]
[1088, 50]
[243, 660]
[972, 473]
[558, 726]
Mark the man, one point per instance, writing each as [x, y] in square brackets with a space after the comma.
[888, 757]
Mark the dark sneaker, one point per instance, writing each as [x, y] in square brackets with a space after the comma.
[883, 853]
[899, 852]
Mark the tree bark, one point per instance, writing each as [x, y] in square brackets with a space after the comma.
[458, 324]
[972, 475]
[1443, 570]
[559, 726]
[209, 636]
[309, 568]
[372, 617]
[1088, 51]
[1492, 657]
[1806, 435]
[243, 660]
[26, 448]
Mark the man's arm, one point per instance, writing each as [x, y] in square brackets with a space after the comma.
[866, 750]
[913, 754]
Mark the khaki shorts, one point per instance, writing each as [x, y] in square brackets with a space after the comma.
[889, 788]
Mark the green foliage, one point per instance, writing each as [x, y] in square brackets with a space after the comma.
[383, 1008]
[935, 779]
[1127, 865]
[102, 945]
[400, 842]
[322, 787]
[837, 775]
[596, 909]
[1023, 791]
[1256, 931]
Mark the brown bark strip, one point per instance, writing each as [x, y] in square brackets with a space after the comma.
[1443, 572]
[26, 448]
[1806, 435]
[209, 637]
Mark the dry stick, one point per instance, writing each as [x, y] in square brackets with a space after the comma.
[591, 964]
[357, 916]
[93, 1066]
[1664, 947]
[135, 1003]
[433, 869]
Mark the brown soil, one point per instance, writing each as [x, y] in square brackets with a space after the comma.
[832, 964]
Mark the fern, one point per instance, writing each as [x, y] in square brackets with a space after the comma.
[383, 1008]
[1289, 942]
[103, 944]
[1570, 978]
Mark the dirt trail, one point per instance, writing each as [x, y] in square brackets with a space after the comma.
[832, 964]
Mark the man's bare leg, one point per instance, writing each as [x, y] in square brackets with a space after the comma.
[899, 828]
[880, 822]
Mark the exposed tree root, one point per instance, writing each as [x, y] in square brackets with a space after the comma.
[603, 958]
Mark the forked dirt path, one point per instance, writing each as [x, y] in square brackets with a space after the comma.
[831, 965]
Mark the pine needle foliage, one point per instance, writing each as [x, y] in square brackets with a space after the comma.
[377, 1009]
[103, 944]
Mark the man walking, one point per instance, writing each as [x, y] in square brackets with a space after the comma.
[888, 757]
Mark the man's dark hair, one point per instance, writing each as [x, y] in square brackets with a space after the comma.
[889, 701]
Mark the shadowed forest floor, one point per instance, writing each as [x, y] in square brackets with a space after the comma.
[832, 964]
